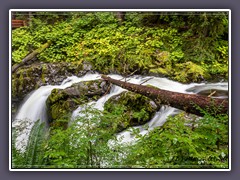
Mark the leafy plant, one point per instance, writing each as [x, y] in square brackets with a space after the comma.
[96, 37]
[84, 144]
[181, 143]
[32, 157]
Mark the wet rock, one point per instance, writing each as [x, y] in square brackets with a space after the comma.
[207, 90]
[134, 109]
[87, 66]
[64, 101]
[31, 77]
[215, 93]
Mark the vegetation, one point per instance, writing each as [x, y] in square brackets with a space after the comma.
[84, 144]
[133, 109]
[183, 46]
[179, 143]
[186, 47]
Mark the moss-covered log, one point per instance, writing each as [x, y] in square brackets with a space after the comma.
[190, 103]
[31, 56]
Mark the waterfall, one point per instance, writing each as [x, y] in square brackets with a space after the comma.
[165, 111]
[34, 107]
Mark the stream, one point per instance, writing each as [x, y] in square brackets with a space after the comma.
[33, 107]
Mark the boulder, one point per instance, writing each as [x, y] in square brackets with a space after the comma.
[31, 77]
[63, 101]
[132, 109]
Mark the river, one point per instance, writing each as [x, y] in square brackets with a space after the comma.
[34, 105]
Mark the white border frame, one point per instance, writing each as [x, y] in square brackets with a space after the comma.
[108, 10]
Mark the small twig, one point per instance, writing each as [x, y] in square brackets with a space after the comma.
[124, 68]
[128, 75]
[108, 89]
[126, 80]
[146, 80]
[132, 73]
[212, 94]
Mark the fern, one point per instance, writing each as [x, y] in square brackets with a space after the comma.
[33, 155]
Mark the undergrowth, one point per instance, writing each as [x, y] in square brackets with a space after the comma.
[180, 143]
[186, 47]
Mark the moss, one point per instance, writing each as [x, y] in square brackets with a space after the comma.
[134, 109]
[63, 101]
[44, 72]
[14, 87]
[56, 95]
[59, 109]
[39, 74]
[21, 82]
[56, 104]
[60, 104]
[75, 67]
[148, 85]
[61, 123]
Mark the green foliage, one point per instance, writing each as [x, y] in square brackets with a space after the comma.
[189, 71]
[199, 37]
[185, 47]
[84, 144]
[130, 109]
[181, 143]
[89, 142]
[33, 155]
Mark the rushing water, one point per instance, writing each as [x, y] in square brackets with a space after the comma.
[34, 107]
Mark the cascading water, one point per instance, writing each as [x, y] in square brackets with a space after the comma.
[165, 111]
[34, 107]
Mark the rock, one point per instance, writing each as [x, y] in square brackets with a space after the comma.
[215, 93]
[64, 101]
[31, 77]
[134, 109]
[87, 66]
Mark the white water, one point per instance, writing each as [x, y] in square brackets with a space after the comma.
[34, 106]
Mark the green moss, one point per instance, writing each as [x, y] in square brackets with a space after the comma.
[63, 101]
[21, 82]
[56, 104]
[14, 87]
[59, 109]
[134, 109]
[56, 95]
[44, 72]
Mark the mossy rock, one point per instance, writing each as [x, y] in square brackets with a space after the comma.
[63, 101]
[88, 88]
[31, 77]
[134, 109]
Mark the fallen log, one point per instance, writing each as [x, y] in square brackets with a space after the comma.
[31, 56]
[191, 103]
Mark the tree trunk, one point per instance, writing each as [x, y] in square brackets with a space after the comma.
[186, 102]
[31, 56]
[121, 17]
[30, 17]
